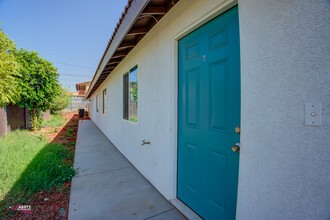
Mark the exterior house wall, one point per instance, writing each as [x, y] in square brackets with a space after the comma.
[156, 98]
[284, 60]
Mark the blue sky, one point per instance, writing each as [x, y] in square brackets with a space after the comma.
[72, 34]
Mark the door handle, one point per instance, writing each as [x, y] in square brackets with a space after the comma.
[236, 147]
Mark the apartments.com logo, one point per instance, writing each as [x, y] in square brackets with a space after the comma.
[24, 208]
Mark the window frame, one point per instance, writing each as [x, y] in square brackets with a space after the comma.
[104, 101]
[126, 96]
[91, 105]
[97, 103]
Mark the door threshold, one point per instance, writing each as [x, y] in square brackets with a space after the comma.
[185, 210]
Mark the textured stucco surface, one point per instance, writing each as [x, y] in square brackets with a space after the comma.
[285, 62]
[154, 56]
[284, 165]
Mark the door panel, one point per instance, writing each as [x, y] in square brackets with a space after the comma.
[208, 112]
[192, 93]
[218, 96]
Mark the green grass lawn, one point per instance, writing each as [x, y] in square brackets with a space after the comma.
[29, 163]
[54, 121]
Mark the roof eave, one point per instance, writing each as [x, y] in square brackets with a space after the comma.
[133, 11]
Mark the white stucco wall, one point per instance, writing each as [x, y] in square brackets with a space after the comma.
[285, 62]
[155, 57]
[284, 165]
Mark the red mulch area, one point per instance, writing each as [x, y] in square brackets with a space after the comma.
[55, 204]
[49, 205]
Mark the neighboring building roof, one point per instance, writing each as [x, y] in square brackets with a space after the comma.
[83, 83]
[135, 22]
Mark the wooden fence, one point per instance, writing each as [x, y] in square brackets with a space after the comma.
[13, 117]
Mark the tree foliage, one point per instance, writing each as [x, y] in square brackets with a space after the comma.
[28, 80]
[134, 90]
[61, 101]
[38, 83]
[9, 88]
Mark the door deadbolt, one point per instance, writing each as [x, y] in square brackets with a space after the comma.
[236, 147]
[238, 130]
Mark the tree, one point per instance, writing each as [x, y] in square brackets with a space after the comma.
[61, 101]
[134, 90]
[38, 84]
[9, 89]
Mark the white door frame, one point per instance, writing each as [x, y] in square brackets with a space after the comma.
[224, 6]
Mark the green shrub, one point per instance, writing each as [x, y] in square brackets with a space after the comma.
[60, 102]
[54, 121]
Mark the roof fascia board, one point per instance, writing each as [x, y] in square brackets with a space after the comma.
[134, 10]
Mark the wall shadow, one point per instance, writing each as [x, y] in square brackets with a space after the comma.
[52, 170]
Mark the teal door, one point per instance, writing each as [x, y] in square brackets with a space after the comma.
[208, 113]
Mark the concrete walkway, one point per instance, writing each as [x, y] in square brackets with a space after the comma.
[108, 186]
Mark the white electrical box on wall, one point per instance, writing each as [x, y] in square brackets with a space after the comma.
[313, 113]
